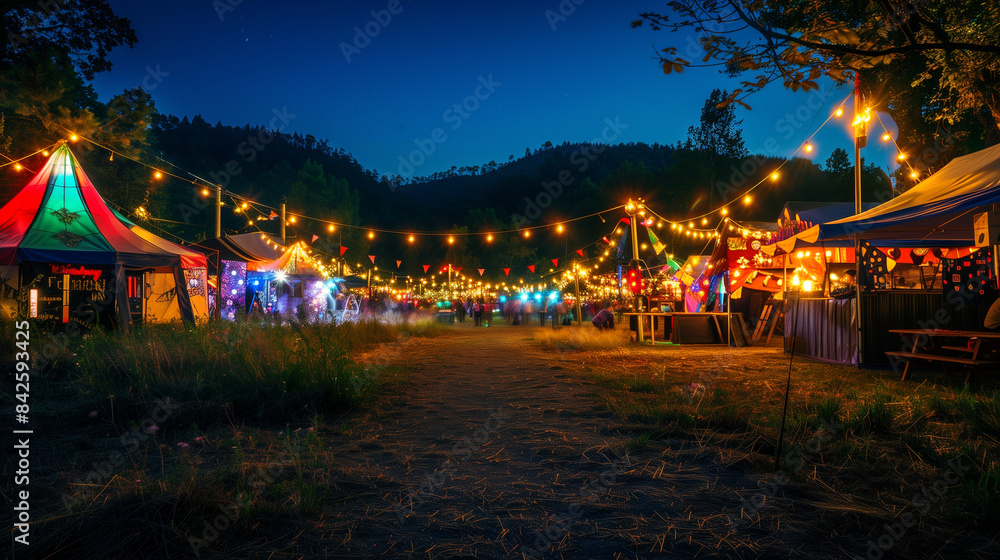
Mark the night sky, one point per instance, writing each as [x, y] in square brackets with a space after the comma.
[519, 76]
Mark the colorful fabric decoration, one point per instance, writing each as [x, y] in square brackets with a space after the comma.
[873, 268]
[555, 262]
[342, 250]
[426, 268]
[531, 267]
[506, 272]
[579, 252]
[971, 277]
[372, 257]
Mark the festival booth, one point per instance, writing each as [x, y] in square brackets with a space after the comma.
[294, 286]
[917, 267]
[65, 256]
[235, 255]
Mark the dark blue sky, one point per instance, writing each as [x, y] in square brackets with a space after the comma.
[521, 77]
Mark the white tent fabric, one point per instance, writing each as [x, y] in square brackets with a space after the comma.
[936, 212]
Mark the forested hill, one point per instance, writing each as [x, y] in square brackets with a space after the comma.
[549, 184]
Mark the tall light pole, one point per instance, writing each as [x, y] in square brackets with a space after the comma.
[861, 116]
[633, 209]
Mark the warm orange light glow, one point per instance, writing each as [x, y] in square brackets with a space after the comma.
[559, 228]
[371, 235]
[410, 239]
[747, 199]
[451, 240]
[809, 147]
[886, 137]
[204, 192]
[330, 227]
[774, 176]
[725, 211]
[489, 237]
[45, 153]
[901, 156]
[292, 219]
[914, 174]
[527, 233]
[17, 167]
[839, 112]
[73, 137]
[158, 175]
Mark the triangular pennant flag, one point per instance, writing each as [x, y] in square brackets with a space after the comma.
[506, 272]
[456, 268]
[273, 215]
[628, 223]
[481, 271]
[315, 237]
[342, 250]
[579, 252]
[398, 263]
[426, 268]
[657, 245]
[555, 262]
[605, 239]
[372, 257]
[531, 267]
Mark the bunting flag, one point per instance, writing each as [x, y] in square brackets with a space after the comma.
[372, 257]
[555, 262]
[426, 268]
[398, 263]
[481, 271]
[531, 267]
[506, 272]
[628, 223]
[579, 252]
[658, 246]
[605, 239]
[273, 215]
[315, 237]
[342, 250]
[456, 268]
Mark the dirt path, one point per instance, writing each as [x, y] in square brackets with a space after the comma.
[493, 449]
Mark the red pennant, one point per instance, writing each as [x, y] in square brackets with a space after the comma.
[579, 252]
[456, 268]
[506, 272]
[555, 262]
[481, 271]
[372, 257]
[315, 237]
[626, 221]
[342, 250]
[531, 267]
[273, 215]
[605, 239]
[426, 268]
[398, 263]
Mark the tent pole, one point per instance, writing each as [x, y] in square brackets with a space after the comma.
[218, 210]
[282, 222]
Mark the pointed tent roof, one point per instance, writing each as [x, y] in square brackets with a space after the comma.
[60, 217]
[294, 261]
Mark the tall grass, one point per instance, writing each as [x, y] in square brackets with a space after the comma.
[243, 369]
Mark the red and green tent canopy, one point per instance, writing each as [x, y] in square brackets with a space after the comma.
[60, 217]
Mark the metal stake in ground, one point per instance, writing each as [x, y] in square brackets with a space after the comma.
[788, 386]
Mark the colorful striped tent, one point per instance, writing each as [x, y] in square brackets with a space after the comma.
[73, 259]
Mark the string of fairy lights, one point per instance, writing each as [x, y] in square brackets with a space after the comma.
[698, 226]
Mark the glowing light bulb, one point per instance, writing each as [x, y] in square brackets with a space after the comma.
[17, 167]
[774, 176]
[901, 156]
[371, 235]
[73, 137]
[747, 199]
[204, 192]
[331, 227]
[292, 219]
[489, 237]
[809, 147]
[559, 228]
[914, 174]
[886, 137]
[527, 233]
[158, 175]
[839, 112]
[451, 240]
[704, 221]
[725, 211]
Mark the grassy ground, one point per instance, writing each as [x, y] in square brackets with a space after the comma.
[232, 440]
[151, 433]
[881, 440]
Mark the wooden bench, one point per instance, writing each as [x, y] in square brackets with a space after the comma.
[971, 357]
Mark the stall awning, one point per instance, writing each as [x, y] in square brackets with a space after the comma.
[937, 212]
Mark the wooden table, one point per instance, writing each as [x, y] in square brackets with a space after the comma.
[952, 351]
[694, 328]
